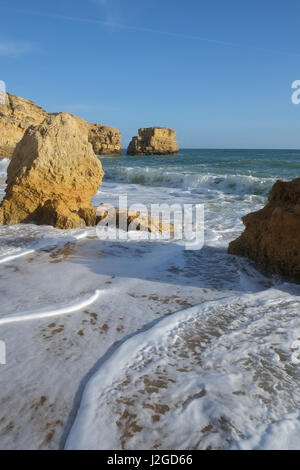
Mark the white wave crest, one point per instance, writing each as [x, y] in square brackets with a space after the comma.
[232, 184]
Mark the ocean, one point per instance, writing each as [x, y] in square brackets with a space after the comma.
[198, 349]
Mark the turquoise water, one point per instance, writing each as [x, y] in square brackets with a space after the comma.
[242, 171]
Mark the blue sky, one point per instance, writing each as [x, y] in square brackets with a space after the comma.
[220, 72]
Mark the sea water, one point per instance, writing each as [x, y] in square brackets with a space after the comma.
[219, 371]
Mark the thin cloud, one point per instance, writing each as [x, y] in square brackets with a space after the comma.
[14, 48]
[115, 25]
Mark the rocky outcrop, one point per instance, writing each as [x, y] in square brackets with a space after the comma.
[18, 114]
[104, 139]
[52, 176]
[131, 220]
[272, 235]
[154, 141]
[15, 116]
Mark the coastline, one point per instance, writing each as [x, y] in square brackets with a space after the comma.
[140, 282]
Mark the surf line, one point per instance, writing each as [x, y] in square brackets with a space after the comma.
[59, 241]
[12, 257]
[4, 320]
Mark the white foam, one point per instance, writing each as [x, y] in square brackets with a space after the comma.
[6, 259]
[232, 184]
[282, 435]
[26, 316]
[43, 241]
[241, 352]
[234, 389]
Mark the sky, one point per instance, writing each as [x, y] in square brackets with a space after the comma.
[220, 73]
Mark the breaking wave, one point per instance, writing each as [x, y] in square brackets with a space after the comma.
[232, 184]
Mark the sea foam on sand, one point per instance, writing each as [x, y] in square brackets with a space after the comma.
[220, 375]
[148, 345]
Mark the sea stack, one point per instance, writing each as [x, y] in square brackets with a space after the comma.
[17, 114]
[52, 176]
[272, 234]
[154, 141]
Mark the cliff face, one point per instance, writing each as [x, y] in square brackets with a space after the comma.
[15, 117]
[272, 235]
[105, 140]
[154, 141]
[18, 114]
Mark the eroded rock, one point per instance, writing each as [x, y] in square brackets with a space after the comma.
[105, 140]
[18, 114]
[154, 141]
[131, 220]
[15, 116]
[52, 176]
[272, 234]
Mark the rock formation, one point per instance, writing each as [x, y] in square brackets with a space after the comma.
[132, 220]
[154, 141]
[18, 114]
[52, 176]
[272, 235]
[104, 139]
[15, 116]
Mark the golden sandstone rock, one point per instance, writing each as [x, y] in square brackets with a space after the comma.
[15, 116]
[131, 220]
[154, 141]
[104, 139]
[272, 234]
[18, 114]
[52, 176]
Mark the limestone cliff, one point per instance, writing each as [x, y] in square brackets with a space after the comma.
[272, 234]
[154, 141]
[15, 117]
[105, 140]
[19, 113]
